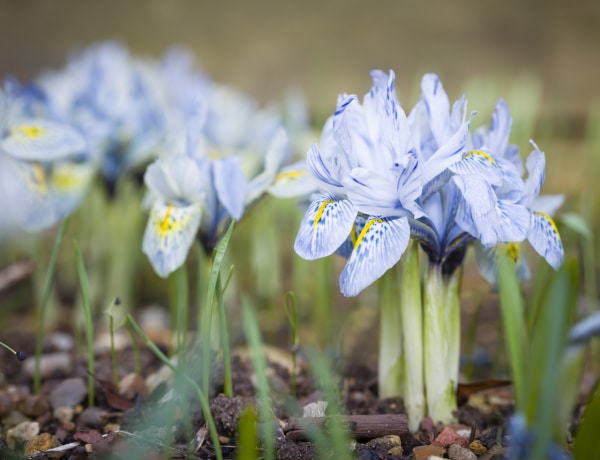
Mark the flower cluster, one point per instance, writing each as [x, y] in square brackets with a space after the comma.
[224, 156]
[384, 176]
[213, 150]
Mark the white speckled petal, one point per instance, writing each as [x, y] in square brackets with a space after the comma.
[169, 234]
[42, 140]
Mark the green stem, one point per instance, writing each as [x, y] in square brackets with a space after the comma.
[212, 428]
[227, 384]
[37, 377]
[113, 352]
[89, 327]
[401, 336]
[441, 343]
[390, 366]
[181, 308]
[411, 313]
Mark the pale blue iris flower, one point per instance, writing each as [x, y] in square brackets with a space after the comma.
[520, 188]
[370, 179]
[222, 155]
[43, 169]
[119, 102]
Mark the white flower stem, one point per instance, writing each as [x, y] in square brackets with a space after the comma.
[401, 336]
[441, 342]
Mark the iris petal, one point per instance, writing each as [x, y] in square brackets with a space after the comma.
[231, 185]
[42, 140]
[478, 162]
[378, 248]
[324, 228]
[169, 235]
[28, 193]
[543, 236]
[488, 219]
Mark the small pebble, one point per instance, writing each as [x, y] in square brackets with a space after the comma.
[92, 417]
[50, 363]
[68, 393]
[457, 452]
[111, 427]
[64, 414]
[13, 418]
[385, 444]
[424, 452]
[59, 341]
[395, 452]
[132, 385]
[477, 448]
[448, 437]
[23, 432]
[34, 406]
[6, 403]
[41, 443]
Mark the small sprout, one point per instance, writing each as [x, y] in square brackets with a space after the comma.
[21, 356]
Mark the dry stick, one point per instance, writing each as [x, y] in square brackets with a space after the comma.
[360, 426]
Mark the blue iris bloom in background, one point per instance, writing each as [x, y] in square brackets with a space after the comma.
[44, 171]
[118, 102]
[220, 158]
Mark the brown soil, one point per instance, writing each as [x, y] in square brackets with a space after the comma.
[133, 420]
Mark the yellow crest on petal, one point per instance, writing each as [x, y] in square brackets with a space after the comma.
[29, 131]
[481, 154]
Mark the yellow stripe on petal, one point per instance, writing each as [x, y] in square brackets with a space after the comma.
[550, 220]
[366, 229]
[481, 154]
[320, 211]
[290, 175]
[29, 131]
[166, 224]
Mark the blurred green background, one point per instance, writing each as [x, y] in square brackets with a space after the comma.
[542, 56]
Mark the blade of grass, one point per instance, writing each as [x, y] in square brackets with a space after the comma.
[291, 310]
[227, 384]
[247, 448]
[548, 343]
[181, 307]
[586, 443]
[37, 378]
[89, 326]
[513, 323]
[217, 260]
[338, 439]
[178, 370]
[259, 363]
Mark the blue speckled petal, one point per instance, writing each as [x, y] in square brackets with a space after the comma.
[378, 248]
[479, 162]
[325, 226]
[545, 239]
